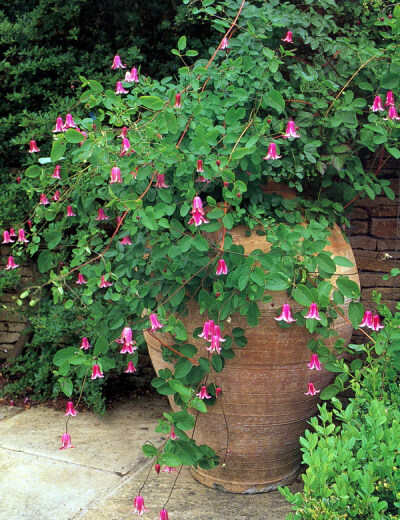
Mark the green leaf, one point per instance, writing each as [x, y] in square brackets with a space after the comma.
[390, 80]
[200, 243]
[101, 346]
[33, 171]
[151, 102]
[227, 221]
[169, 459]
[183, 420]
[326, 264]
[239, 153]
[329, 392]
[217, 362]
[57, 150]
[63, 355]
[66, 386]
[205, 364]
[149, 450]
[348, 288]
[356, 313]
[277, 282]
[182, 43]
[182, 368]
[302, 295]
[343, 261]
[73, 136]
[275, 100]
[253, 314]
[45, 261]
[53, 238]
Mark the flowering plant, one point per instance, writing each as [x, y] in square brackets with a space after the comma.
[127, 207]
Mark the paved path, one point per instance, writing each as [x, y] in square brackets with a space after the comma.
[100, 477]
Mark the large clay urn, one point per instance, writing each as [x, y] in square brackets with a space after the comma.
[263, 409]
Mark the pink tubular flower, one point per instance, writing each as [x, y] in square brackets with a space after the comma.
[313, 312]
[124, 132]
[101, 215]
[177, 101]
[119, 89]
[56, 173]
[21, 236]
[203, 393]
[314, 362]
[96, 372]
[377, 105]
[200, 168]
[56, 196]
[70, 212]
[288, 37]
[311, 390]
[128, 77]
[130, 368]
[11, 264]
[208, 329]
[69, 122]
[43, 200]
[104, 283]
[160, 183]
[291, 130]
[272, 154]
[127, 349]
[215, 340]
[222, 268]
[115, 175]
[157, 468]
[138, 504]
[81, 279]
[66, 441]
[59, 125]
[12, 232]
[389, 99]
[127, 340]
[198, 215]
[200, 178]
[85, 345]
[163, 514]
[126, 148]
[70, 409]
[125, 241]
[29, 222]
[218, 391]
[286, 314]
[134, 75]
[33, 147]
[367, 320]
[172, 435]
[392, 114]
[168, 469]
[224, 44]
[117, 63]
[7, 238]
[155, 324]
[376, 323]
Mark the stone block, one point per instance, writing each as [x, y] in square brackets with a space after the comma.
[363, 242]
[385, 228]
[359, 227]
[359, 213]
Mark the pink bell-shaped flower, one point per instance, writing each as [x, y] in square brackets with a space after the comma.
[168, 469]
[104, 283]
[130, 369]
[155, 324]
[163, 514]
[117, 63]
[70, 212]
[21, 237]
[134, 75]
[198, 215]
[138, 504]
[7, 238]
[200, 168]
[12, 231]
[203, 393]
[215, 340]
[128, 77]
[376, 323]
[288, 37]
[56, 196]
[367, 320]
[392, 114]
[208, 329]
[127, 349]
[81, 279]
[124, 132]
[126, 148]
[218, 391]
[115, 175]
[377, 105]
[272, 154]
[33, 147]
[119, 89]
[56, 173]
[313, 312]
[101, 215]
[29, 222]
[70, 409]
[157, 468]
[224, 44]
[389, 99]
[172, 435]
[222, 268]
[177, 101]
[43, 200]
[69, 122]
[11, 264]
[291, 130]
[66, 441]
[314, 362]
[96, 372]
[59, 125]
[311, 390]
[286, 314]
[160, 183]
[85, 345]
[125, 241]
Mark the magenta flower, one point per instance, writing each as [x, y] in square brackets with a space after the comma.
[163, 514]
[172, 435]
[126, 148]
[85, 345]
[127, 349]
[56, 196]
[313, 312]
[222, 268]
[203, 393]
[56, 173]
[177, 101]
[377, 105]
[81, 279]
[29, 222]
[43, 200]
[155, 324]
[104, 283]
[101, 215]
[130, 368]
[70, 409]
[215, 340]
[168, 469]
[21, 237]
[160, 183]
[66, 441]
[208, 329]
[115, 175]
[291, 130]
[314, 362]
[59, 125]
[138, 504]
[7, 238]
[119, 89]
[224, 44]
[70, 212]
[389, 99]
[286, 314]
[96, 372]
[200, 168]
[12, 232]
[198, 215]
[392, 114]
[311, 390]
[11, 264]
[69, 122]
[125, 241]
[128, 77]
[367, 320]
[157, 468]
[33, 147]
[200, 178]
[123, 133]
[134, 75]
[288, 37]
[218, 391]
[117, 63]
[376, 323]
[272, 154]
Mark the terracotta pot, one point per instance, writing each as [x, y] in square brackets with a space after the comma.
[263, 410]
